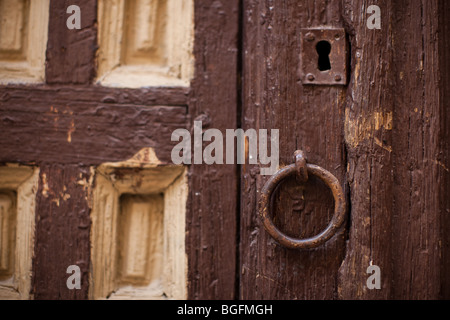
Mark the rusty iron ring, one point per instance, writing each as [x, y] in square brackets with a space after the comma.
[339, 208]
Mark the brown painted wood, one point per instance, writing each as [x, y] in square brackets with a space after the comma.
[418, 170]
[87, 125]
[71, 52]
[310, 118]
[62, 231]
[444, 141]
[211, 239]
[368, 135]
[398, 169]
[176, 96]
[394, 119]
[385, 137]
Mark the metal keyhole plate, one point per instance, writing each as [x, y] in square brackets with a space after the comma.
[317, 65]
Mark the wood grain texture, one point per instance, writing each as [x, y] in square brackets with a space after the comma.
[417, 173]
[62, 231]
[71, 52]
[395, 133]
[175, 96]
[213, 190]
[368, 135]
[88, 125]
[444, 141]
[310, 118]
[385, 137]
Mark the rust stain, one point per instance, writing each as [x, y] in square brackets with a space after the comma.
[265, 208]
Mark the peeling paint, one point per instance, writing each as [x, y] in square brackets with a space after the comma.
[71, 131]
[145, 158]
[45, 187]
[382, 145]
[357, 68]
[362, 129]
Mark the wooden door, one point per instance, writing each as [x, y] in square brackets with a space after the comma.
[384, 136]
[87, 174]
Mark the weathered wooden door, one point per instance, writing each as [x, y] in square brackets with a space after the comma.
[384, 135]
[87, 178]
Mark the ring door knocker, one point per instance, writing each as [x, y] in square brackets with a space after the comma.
[302, 169]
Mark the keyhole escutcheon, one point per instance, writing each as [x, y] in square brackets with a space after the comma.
[323, 49]
[323, 56]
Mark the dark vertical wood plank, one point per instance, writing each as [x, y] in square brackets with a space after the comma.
[368, 135]
[62, 231]
[212, 210]
[421, 153]
[444, 141]
[309, 118]
[71, 53]
[416, 211]
[396, 126]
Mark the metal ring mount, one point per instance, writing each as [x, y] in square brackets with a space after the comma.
[339, 208]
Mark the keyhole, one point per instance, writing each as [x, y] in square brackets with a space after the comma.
[323, 49]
